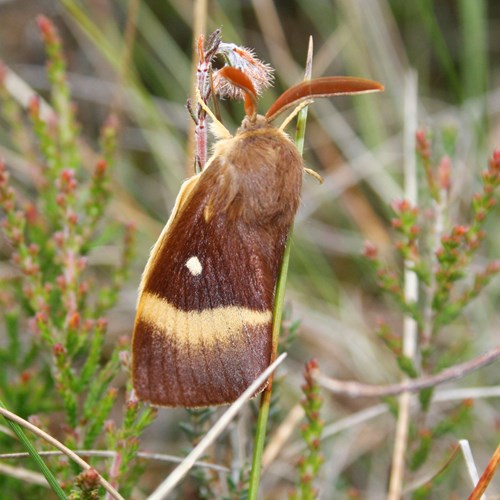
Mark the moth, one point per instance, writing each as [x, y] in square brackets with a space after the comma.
[202, 332]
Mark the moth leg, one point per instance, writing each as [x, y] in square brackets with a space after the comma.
[314, 174]
[294, 113]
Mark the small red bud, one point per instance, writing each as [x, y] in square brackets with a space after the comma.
[370, 250]
[421, 136]
[58, 238]
[109, 426]
[100, 168]
[58, 349]
[73, 218]
[34, 105]
[47, 29]
[74, 320]
[102, 323]
[400, 206]
[495, 160]
[396, 224]
[132, 404]
[61, 200]
[460, 230]
[415, 230]
[31, 213]
[41, 317]
[493, 267]
[444, 173]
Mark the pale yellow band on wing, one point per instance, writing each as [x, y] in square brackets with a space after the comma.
[219, 324]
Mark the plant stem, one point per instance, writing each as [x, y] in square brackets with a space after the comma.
[265, 402]
[411, 294]
[35, 456]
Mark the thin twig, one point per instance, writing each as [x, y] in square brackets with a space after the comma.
[54, 442]
[199, 28]
[487, 475]
[279, 299]
[162, 457]
[181, 470]
[26, 475]
[469, 462]
[418, 483]
[372, 412]
[359, 390]
[410, 291]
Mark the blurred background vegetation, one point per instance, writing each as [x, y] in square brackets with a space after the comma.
[452, 46]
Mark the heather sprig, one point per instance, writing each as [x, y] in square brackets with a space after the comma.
[440, 252]
[310, 462]
[62, 298]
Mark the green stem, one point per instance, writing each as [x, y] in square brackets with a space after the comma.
[36, 457]
[265, 402]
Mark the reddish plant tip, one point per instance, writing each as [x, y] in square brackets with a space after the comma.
[101, 167]
[74, 320]
[312, 364]
[421, 136]
[201, 52]
[495, 160]
[401, 206]
[444, 173]
[460, 230]
[46, 28]
[370, 250]
[34, 105]
[88, 480]
[58, 349]
[102, 323]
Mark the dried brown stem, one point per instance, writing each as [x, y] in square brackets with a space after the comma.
[358, 390]
[487, 475]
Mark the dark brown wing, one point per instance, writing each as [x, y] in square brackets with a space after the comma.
[203, 326]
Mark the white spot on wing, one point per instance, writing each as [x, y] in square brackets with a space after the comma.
[194, 266]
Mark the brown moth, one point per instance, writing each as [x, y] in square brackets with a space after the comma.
[202, 332]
